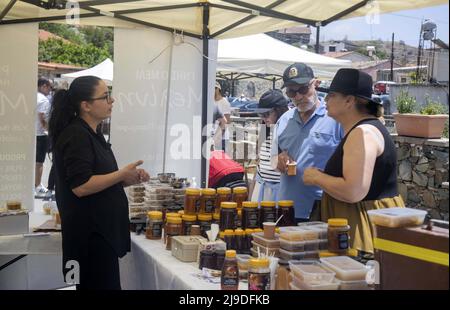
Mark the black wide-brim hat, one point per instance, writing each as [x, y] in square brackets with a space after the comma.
[353, 82]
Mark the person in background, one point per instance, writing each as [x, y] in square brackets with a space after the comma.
[306, 136]
[272, 105]
[42, 114]
[225, 108]
[361, 175]
[89, 185]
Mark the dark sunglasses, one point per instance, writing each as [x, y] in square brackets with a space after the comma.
[302, 90]
[107, 97]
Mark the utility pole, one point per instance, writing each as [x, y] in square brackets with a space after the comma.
[392, 59]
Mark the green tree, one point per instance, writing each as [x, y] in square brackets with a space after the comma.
[87, 55]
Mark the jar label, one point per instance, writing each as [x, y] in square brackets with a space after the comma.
[269, 217]
[343, 241]
[252, 220]
[258, 281]
[209, 206]
[156, 229]
[230, 276]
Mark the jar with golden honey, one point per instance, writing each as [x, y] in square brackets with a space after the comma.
[286, 209]
[154, 225]
[216, 218]
[229, 238]
[207, 200]
[173, 228]
[192, 200]
[240, 195]
[223, 195]
[239, 240]
[187, 222]
[268, 211]
[228, 214]
[250, 215]
[248, 240]
[338, 235]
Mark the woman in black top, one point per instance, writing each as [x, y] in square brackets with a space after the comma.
[89, 186]
[362, 172]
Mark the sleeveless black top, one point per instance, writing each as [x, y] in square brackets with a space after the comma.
[384, 178]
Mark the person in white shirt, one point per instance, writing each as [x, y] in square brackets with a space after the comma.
[42, 116]
[225, 107]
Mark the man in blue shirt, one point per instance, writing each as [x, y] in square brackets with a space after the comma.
[306, 136]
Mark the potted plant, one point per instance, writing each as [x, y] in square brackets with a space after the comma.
[428, 123]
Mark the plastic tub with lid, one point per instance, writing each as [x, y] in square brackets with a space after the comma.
[354, 285]
[292, 246]
[265, 250]
[299, 235]
[332, 286]
[397, 217]
[311, 271]
[346, 268]
[270, 243]
[288, 255]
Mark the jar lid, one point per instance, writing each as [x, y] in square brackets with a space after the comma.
[337, 222]
[327, 254]
[250, 204]
[205, 217]
[228, 205]
[268, 204]
[221, 234]
[216, 216]
[208, 191]
[240, 190]
[228, 232]
[224, 190]
[174, 220]
[155, 215]
[249, 231]
[258, 262]
[172, 214]
[230, 253]
[238, 232]
[277, 230]
[189, 218]
[193, 191]
[257, 230]
[286, 203]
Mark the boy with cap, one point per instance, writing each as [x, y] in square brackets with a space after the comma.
[272, 105]
[306, 136]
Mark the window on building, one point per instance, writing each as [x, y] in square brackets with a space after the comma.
[332, 48]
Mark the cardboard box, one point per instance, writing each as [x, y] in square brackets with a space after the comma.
[412, 258]
[185, 248]
[14, 223]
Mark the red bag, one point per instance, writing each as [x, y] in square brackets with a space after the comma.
[221, 165]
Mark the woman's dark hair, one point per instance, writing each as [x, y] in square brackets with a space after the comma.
[66, 104]
[369, 107]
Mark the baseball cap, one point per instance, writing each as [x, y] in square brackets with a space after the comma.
[271, 99]
[297, 73]
[218, 85]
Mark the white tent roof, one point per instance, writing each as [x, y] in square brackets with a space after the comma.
[263, 54]
[103, 70]
[226, 18]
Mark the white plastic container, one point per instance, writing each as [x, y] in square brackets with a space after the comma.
[397, 217]
[288, 255]
[346, 269]
[292, 246]
[332, 286]
[361, 285]
[265, 250]
[270, 243]
[299, 234]
[312, 272]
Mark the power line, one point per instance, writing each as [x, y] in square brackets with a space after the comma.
[417, 18]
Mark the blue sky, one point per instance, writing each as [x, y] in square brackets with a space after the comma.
[405, 25]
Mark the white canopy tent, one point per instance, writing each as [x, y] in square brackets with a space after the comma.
[103, 70]
[262, 54]
[200, 19]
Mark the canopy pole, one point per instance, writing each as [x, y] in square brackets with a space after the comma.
[232, 85]
[273, 82]
[317, 37]
[205, 37]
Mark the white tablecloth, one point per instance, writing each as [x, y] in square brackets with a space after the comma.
[149, 266]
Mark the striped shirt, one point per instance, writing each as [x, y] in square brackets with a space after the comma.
[265, 170]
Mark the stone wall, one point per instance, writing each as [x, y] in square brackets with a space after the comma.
[423, 174]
